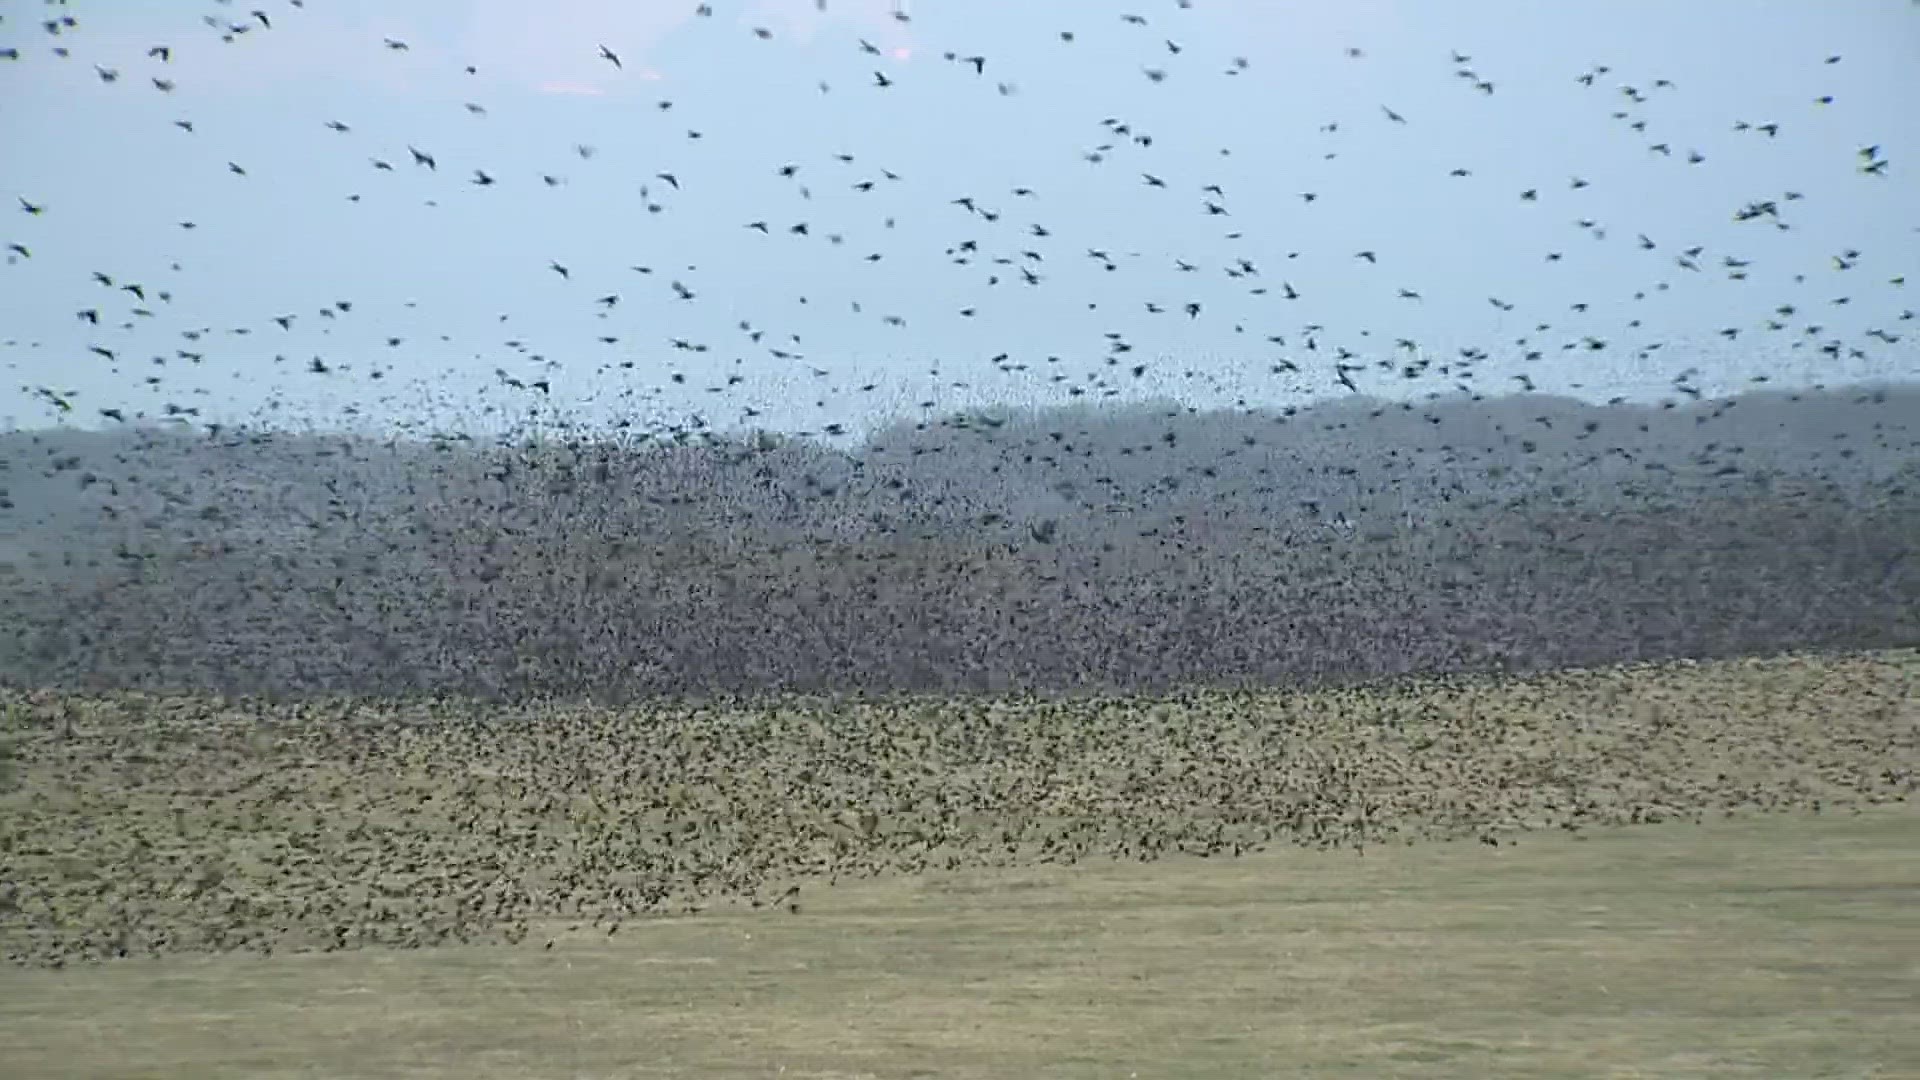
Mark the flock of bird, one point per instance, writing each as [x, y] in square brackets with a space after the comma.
[1260, 293]
[1139, 549]
[980, 548]
[153, 824]
[1039, 523]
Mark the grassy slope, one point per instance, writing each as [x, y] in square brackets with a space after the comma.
[1771, 946]
[1723, 941]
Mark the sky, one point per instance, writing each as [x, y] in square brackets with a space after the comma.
[1415, 126]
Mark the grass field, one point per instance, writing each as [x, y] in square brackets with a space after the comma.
[1430, 879]
[1774, 946]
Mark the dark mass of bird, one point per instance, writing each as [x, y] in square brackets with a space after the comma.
[683, 606]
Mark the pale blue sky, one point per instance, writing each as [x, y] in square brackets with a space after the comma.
[116, 178]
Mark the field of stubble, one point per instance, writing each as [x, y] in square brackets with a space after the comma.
[1415, 877]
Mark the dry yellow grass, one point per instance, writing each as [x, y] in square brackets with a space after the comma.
[987, 887]
[1786, 945]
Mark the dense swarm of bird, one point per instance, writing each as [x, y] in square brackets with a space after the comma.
[1441, 513]
[150, 824]
[1133, 548]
